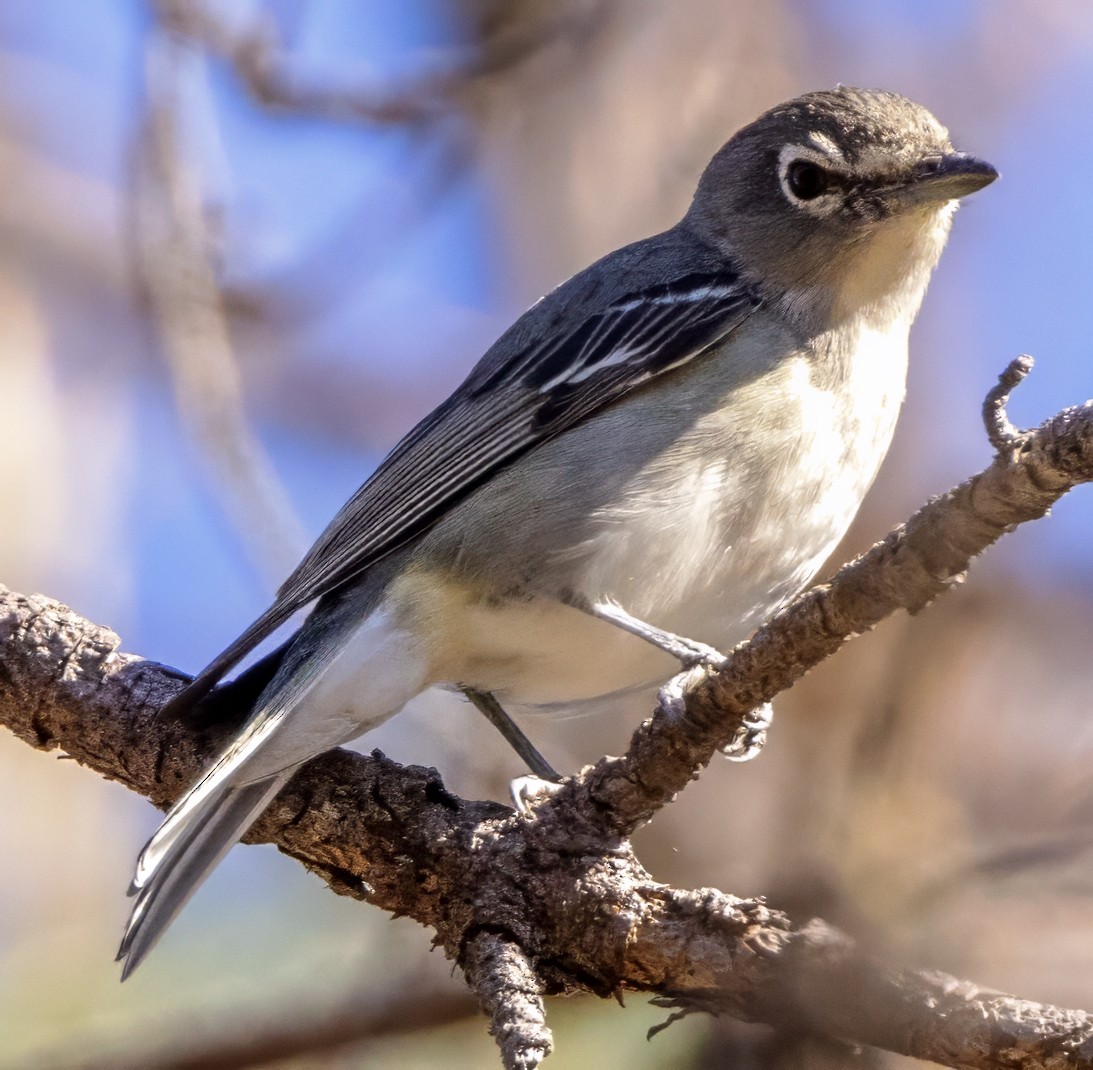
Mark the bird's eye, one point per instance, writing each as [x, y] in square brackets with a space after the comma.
[806, 180]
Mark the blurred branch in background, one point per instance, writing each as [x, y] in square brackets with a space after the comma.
[175, 250]
[175, 229]
[273, 1033]
[525, 104]
[503, 35]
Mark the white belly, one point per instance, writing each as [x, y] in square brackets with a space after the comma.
[706, 541]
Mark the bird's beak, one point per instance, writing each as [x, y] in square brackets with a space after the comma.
[944, 178]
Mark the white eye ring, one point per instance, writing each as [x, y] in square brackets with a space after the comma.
[792, 161]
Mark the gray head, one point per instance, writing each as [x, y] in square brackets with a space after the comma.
[846, 193]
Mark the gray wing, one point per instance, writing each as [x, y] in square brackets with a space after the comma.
[508, 405]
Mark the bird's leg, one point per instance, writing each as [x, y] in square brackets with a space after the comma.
[504, 724]
[750, 736]
[687, 651]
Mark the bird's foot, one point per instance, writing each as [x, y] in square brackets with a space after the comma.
[751, 736]
[692, 654]
[528, 791]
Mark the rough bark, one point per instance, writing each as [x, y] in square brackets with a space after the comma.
[556, 901]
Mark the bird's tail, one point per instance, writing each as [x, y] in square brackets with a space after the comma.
[196, 834]
[310, 704]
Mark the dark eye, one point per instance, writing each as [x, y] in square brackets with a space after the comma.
[806, 180]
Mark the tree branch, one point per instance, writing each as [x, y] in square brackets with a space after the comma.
[559, 899]
[235, 1039]
[263, 66]
[511, 995]
[917, 562]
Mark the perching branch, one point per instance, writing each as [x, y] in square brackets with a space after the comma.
[560, 899]
[917, 562]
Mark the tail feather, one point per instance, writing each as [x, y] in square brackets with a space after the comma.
[302, 710]
[230, 704]
[180, 706]
[197, 832]
[185, 851]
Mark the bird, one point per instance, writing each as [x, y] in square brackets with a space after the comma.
[652, 459]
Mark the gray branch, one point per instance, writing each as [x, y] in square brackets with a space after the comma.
[559, 902]
[511, 996]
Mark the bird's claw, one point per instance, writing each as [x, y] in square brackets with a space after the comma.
[528, 791]
[751, 736]
[692, 654]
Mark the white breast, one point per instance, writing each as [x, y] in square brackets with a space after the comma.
[715, 533]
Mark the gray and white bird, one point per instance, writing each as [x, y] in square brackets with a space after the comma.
[668, 444]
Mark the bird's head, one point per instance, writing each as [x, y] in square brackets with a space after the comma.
[836, 200]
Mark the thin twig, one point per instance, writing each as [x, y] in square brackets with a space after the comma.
[239, 1039]
[908, 569]
[1003, 436]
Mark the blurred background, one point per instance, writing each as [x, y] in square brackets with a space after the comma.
[244, 246]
